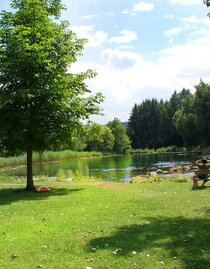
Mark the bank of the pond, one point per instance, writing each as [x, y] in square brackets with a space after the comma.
[47, 156]
[171, 150]
[69, 176]
[56, 156]
[108, 167]
[105, 225]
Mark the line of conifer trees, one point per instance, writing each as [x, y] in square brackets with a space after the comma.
[184, 120]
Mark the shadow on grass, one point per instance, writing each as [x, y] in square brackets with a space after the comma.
[199, 188]
[10, 195]
[187, 240]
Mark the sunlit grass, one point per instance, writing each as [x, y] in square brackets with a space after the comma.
[105, 225]
[47, 156]
[163, 150]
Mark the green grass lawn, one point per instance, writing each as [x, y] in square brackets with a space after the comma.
[105, 226]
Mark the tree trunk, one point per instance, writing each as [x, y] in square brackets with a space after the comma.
[30, 183]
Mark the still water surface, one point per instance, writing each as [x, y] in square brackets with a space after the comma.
[113, 168]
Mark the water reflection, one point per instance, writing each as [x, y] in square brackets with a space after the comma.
[112, 168]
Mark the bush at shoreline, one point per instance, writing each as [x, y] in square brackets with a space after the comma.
[47, 156]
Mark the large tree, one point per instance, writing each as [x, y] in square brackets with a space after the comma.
[133, 129]
[202, 112]
[172, 106]
[121, 140]
[99, 138]
[207, 3]
[41, 102]
[184, 120]
[164, 124]
[144, 123]
[192, 120]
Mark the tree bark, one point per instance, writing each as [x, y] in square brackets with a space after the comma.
[30, 183]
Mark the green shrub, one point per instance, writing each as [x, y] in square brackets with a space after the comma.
[181, 178]
[60, 175]
[139, 179]
[75, 176]
[206, 151]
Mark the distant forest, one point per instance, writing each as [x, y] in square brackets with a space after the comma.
[184, 120]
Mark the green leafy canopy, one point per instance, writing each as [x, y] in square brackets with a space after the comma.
[40, 100]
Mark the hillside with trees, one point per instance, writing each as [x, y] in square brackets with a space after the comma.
[184, 120]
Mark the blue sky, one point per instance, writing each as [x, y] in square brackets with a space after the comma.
[140, 49]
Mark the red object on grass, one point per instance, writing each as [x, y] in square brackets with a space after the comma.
[43, 189]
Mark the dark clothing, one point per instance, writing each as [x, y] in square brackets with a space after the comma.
[203, 176]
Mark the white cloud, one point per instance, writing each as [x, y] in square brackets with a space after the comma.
[89, 16]
[139, 7]
[185, 2]
[98, 38]
[177, 67]
[125, 11]
[195, 20]
[120, 59]
[195, 26]
[126, 37]
[143, 6]
[170, 16]
[171, 33]
[95, 38]
[125, 77]
[128, 12]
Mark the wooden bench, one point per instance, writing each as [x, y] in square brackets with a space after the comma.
[202, 172]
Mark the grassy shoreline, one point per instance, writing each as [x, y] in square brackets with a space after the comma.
[170, 150]
[102, 225]
[48, 156]
[56, 156]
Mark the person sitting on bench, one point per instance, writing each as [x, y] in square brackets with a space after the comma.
[202, 164]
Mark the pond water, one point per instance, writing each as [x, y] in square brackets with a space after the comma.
[112, 168]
